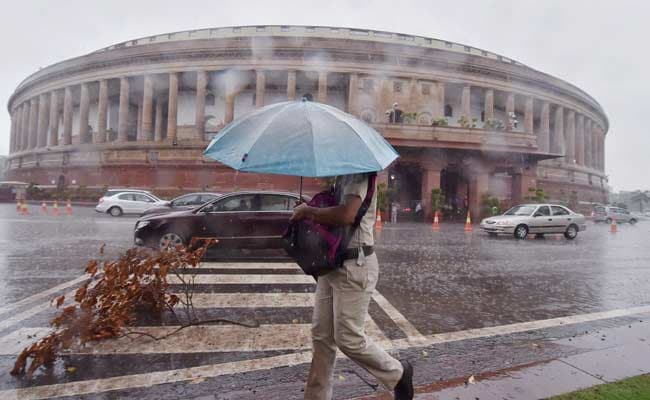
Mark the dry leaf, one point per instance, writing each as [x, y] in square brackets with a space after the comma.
[59, 301]
[71, 369]
[341, 378]
[198, 380]
[471, 380]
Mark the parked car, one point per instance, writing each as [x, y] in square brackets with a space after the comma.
[251, 219]
[131, 202]
[111, 192]
[184, 202]
[535, 219]
[607, 214]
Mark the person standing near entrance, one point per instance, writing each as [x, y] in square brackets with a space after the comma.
[393, 213]
[342, 298]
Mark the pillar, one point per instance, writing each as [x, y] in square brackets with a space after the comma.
[229, 112]
[570, 137]
[587, 146]
[102, 112]
[529, 116]
[489, 104]
[172, 107]
[146, 130]
[602, 151]
[260, 88]
[53, 137]
[322, 87]
[25, 126]
[466, 103]
[522, 180]
[15, 147]
[84, 104]
[430, 181]
[594, 147]
[12, 132]
[43, 116]
[580, 140]
[123, 112]
[557, 144]
[199, 112]
[478, 186]
[159, 120]
[439, 100]
[543, 136]
[510, 108]
[67, 116]
[33, 122]
[291, 85]
[352, 95]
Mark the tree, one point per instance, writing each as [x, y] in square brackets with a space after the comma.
[437, 199]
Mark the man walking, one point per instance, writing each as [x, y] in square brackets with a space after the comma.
[342, 298]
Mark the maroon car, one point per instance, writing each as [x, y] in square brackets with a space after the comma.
[240, 220]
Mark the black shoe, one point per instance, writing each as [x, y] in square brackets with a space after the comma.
[404, 388]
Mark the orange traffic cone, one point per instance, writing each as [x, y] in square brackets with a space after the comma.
[44, 208]
[25, 210]
[19, 207]
[378, 224]
[468, 223]
[55, 209]
[613, 227]
[436, 222]
[68, 208]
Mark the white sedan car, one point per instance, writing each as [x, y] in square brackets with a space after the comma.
[536, 219]
[128, 203]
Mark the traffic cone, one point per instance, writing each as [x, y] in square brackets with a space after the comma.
[55, 209]
[378, 224]
[25, 210]
[68, 207]
[436, 222]
[613, 227]
[44, 208]
[19, 206]
[468, 223]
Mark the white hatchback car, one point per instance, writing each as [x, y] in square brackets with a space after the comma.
[536, 219]
[128, 203]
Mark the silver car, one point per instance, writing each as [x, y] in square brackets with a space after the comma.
[536, 219]
[607, 214]
[128, 203]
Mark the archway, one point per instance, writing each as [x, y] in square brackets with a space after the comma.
[456, 188]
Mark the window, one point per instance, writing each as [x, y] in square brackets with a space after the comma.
[206, 197]
[426, 90]
[126, 196]
[277, 203]
[397, 87]
[245, 202]
[210, 100]
[188, 200]
[543, 211]
[142, 197]
[557, 210]
[482, 116]
[449, 111]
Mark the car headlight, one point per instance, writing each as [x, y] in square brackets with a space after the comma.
[141, 224]
[502, 222]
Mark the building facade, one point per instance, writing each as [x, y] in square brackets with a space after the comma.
[140, 113]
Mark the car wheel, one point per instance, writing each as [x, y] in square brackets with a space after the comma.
[571, 232]
[608, 221]
[632, 221]
[521, 231]
[115, 212]
[170, 240]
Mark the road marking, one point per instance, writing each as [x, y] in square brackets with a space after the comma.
[16, 318]
[209, 371]
[212, 279]
[413, 336]
[251, 300]
[249, 265]
[46, 293]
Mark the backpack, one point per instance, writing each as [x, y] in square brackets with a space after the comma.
[319, 249]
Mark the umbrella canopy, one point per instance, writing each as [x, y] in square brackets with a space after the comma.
[301, 138]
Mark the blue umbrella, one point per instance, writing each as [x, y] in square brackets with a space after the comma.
[301, 138]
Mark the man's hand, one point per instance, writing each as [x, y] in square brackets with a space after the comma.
[299, 212]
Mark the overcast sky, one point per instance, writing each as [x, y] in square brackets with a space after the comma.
[596, 45]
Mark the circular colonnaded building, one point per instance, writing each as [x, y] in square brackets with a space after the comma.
[140, 113]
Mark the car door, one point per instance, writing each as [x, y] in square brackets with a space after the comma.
[272, 220]
[542, 220]
[125, 202]
[561, 219]
[142, 202]
[223, 220]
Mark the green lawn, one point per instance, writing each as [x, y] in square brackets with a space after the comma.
[637, 388]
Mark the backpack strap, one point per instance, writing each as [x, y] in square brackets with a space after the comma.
[372, 178]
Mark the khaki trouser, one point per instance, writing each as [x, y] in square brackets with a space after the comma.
[340, 312]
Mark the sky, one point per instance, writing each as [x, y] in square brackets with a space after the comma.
[596, 45]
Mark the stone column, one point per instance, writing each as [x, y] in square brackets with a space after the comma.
[146, 131]
[439, 100]
[322, 87]
[580, 140]
[199, 112]
[67, 116]
[587, 147]
[15, 132]
[102, 112]
[291, 85]
[522, 180]
[159, 120]
[12, 132]
[53, 137]
[84, 104]
[594, 147]
[229, 112]
[529, 116]
[353, 86]
[478, 186]
[602, 151]
[172, 107]
[33, 122]
[570, 137]
[123, 113]
[430, 181]
[25, 126]
[510, 108]
[466, 103]
[43, 116]
[260, 88]
[489, 104]
[543, 136]
[557, 144]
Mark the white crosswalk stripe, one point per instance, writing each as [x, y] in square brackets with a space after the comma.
[251, 279]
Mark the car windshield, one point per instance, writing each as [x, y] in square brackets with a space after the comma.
[520, 210]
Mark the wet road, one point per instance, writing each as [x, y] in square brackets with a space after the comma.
[431, 283]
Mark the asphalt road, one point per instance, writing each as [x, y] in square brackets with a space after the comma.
[432, 284]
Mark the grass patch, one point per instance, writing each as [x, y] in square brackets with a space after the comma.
[636, 388]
